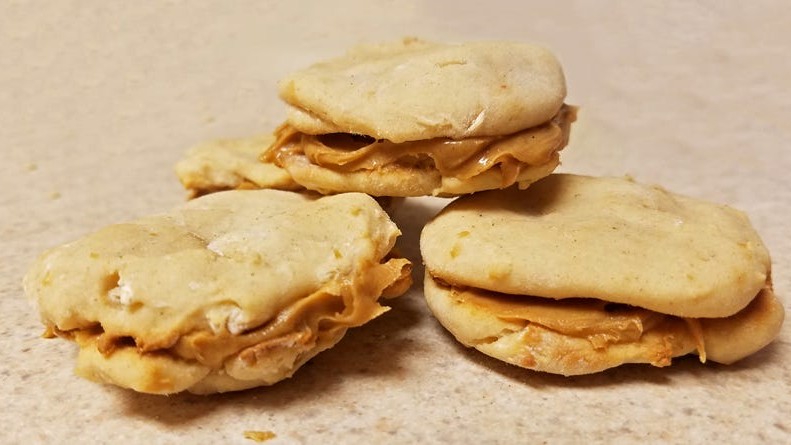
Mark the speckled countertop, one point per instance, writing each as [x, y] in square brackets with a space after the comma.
[99, 99]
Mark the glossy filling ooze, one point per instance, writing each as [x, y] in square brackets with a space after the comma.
[462, 159]
[583, 335]
[295, 334]
[227, 285]
[601, 323]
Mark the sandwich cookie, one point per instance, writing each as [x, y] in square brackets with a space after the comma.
[579, 274]
[234, 290]
[414, 118]
[230, 164]
[233, 164]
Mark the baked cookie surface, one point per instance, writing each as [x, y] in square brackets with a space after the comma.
[578, 274]
[234, 290]
[607, 238]
[414, 118]
[413, 90]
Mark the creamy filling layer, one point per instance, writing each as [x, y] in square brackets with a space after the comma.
[339, 305]
[462, 159]
[600, 322]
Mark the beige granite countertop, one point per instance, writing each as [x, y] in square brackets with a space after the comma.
[99, 99]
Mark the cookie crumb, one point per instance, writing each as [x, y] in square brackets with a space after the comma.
[259, 436]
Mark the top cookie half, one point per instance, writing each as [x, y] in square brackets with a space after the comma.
[414, 90]
[606, 238]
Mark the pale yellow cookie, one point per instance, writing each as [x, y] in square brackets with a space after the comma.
[229, 164]
[578, 274]
[414, 118]
[607, 238]
[732, 338]
[413, 90]
[234, 290]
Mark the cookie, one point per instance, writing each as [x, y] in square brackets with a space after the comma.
[234, 290]
[621, 273]
[229, 164]
[414, 118]
[412, 90]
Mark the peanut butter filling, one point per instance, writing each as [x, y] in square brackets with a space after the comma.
[600, 322]
[300, 326]
[462, 159]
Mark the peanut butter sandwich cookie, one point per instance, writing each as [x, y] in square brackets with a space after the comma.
[578, 274]
[229, 164]
[414, 118]
[234, 290]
